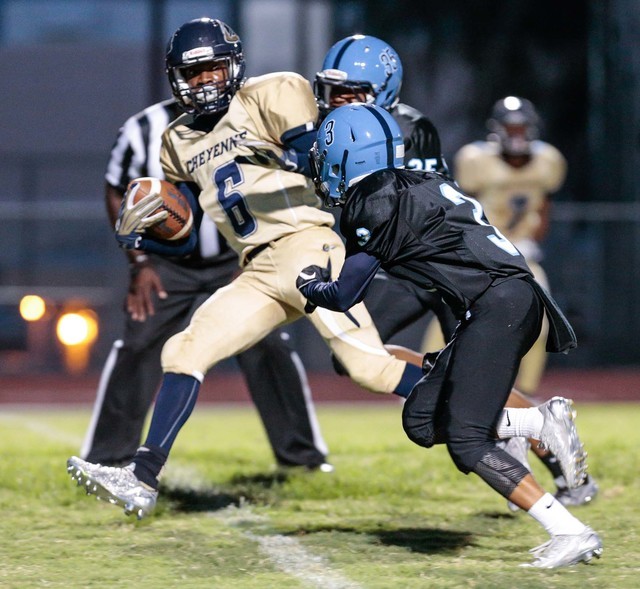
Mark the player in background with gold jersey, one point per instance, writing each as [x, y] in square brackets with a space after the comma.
[512, 174]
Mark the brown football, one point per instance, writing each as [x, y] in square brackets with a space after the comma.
[179, 221]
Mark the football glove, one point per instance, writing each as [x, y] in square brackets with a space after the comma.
[311, 275]
[269, 155]
[133, 220]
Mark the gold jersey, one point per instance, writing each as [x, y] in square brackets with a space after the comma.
[513, 198]
[251, 205]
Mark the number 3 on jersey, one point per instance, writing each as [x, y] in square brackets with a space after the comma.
[228, 178]
[451, 194]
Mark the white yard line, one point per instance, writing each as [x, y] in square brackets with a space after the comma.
[292, 558]
[42, 428]
[284, 552]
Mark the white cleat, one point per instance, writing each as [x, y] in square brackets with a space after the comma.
[582, 495]
[560, 436]
[566, 550]
[118, 486]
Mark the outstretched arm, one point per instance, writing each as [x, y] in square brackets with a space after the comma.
[344, 292]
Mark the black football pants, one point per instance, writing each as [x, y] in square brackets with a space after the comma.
[132, 373]
[460, 400]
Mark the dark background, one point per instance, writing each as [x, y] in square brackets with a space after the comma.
[74, 70]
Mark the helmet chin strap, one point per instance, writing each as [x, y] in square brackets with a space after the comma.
[342, 187]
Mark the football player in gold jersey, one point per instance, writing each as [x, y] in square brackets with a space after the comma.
[270, 216]
[512, 174]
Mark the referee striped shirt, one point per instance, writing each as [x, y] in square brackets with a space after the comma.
[136, 153]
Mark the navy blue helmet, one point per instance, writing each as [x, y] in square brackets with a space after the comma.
[514, 124]
[199, 41]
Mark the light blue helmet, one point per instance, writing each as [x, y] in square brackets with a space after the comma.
[360, 63]
[353, 141]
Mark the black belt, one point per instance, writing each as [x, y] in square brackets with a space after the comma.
[255, 251]
[260, 248]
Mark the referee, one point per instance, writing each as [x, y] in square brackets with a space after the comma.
[163, 293]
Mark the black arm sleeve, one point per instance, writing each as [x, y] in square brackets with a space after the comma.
[349, 288]
[168, 248]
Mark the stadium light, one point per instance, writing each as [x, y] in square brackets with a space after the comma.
[32, 307]
[77, 331]
[77, 328]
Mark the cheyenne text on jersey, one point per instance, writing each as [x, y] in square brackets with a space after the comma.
[218, 149]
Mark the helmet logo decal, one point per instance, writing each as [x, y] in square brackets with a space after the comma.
[388, 60]
[229, 35]
[363, 234]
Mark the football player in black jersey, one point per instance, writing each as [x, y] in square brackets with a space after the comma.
[421, 228]
[362, 68]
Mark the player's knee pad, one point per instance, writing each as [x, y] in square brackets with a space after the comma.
[501, 471]
[419, 416]
[177, 357]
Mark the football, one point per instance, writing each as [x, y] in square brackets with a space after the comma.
[179, 221]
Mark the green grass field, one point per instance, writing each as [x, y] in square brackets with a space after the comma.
[390, 516]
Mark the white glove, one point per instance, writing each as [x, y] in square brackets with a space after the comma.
[141, 215]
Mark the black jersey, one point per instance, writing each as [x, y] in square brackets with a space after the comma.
[423, 229]
[422, 149]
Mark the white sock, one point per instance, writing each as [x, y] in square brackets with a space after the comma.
[525, 423]
[554, 517]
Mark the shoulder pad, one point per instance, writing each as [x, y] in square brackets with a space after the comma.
[274, 77]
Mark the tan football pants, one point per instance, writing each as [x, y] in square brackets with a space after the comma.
[263, 297]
